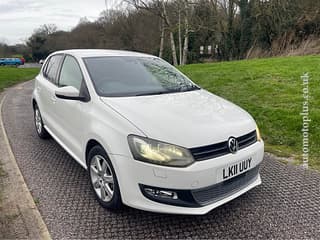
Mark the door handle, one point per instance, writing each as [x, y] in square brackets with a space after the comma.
[38, 89]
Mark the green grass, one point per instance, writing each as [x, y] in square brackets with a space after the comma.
[271, 90]
[12, 75]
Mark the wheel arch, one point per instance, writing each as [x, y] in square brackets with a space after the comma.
[90, 144]
[34, 103]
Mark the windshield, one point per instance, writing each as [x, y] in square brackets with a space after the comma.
[135, 76]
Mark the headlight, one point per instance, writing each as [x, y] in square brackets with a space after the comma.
[258, 134]
[152, 151]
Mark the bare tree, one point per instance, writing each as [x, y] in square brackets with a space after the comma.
[233, 28]
[172, 41]
[186, 34]
[47, 29]
[162, 29]
[159, 8]
[179, 34]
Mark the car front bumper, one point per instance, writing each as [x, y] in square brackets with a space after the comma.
[202, 176]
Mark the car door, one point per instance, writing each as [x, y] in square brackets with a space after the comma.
[72, 114]
[46, 85]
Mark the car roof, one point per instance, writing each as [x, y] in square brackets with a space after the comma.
[82, 53]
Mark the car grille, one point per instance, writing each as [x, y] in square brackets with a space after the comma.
[224, 189]
[219, 149]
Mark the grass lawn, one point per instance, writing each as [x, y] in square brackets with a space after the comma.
[12, 75]
[271, 90]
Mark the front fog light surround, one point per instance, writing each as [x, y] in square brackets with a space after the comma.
[173, 197]
[161, 193]
[152, 151]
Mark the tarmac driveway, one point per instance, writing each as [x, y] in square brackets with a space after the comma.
[286, 205]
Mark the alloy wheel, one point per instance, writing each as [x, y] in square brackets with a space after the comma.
[38, 121]
[102, 178]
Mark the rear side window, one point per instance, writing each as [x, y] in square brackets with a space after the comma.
[52, 67]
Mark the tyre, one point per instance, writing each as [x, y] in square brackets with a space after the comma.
[41, 131]
[103, 179]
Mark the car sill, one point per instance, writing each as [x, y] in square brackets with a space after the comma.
[65, 148]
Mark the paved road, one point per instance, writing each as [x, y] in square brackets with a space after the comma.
[30, 65]
[286, 205]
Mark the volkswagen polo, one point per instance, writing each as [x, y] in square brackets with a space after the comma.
[149, 137]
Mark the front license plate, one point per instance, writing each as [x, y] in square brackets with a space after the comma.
[236, 169]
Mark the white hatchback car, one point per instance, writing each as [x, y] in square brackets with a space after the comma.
[149, 137]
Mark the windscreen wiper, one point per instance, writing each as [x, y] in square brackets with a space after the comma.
[191, 88]
[155, 93]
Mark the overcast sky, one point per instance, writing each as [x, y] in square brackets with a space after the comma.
[18, 18]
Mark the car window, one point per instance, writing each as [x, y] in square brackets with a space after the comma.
[44, 68]
[70, 73]
[52, 68]
[134, 76]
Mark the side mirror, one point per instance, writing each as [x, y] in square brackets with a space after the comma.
[68, 93]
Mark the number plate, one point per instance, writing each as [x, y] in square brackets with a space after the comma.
[235, 169]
